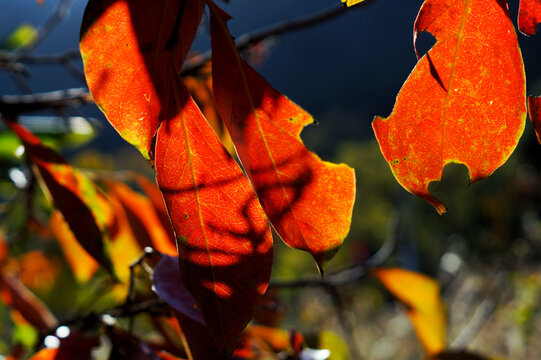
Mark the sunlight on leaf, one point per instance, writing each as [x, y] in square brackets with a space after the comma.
[465, 101]
[224, 240]
[349, 3]
[127, 49]
[142, 218]
[309, 201]
[82, 264]
[71, 192]
[421, 295]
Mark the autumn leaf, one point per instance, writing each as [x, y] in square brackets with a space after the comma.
[82, 264]
[15, 294]
[308, 201]
[156, 198]
[199, 85]
[143, 219]
[71, 192]
[421, 295]
[463, 103]
[349, 3]
[534, 107]
[127, 49]
[225, 244]
[529, 16]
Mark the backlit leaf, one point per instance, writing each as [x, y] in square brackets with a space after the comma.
[463, 103]
[72, 193]
[83, 265]
[421, 295]
[156, 198]
[224, 240]
[534, 107]
[200, 87]
[349, 3]
[308, 201]
[18, 296]
[128, 47]
[529, 16]
[143, 220]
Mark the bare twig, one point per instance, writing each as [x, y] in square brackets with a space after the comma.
[252, 38]
[350, 275]
[17, 104]
[60, 13]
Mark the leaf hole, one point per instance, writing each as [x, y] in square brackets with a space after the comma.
[425, 41]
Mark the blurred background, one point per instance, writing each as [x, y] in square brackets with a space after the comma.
[485, 251]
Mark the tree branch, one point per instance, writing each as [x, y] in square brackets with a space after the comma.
[17, 104]
[249, 39]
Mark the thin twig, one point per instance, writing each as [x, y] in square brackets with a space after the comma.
[17, 104]
[350, 275]
[60, 13]
[252, 38]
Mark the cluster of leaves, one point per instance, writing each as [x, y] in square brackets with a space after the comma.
[230, 165]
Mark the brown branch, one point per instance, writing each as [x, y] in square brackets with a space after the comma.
[17, 104]
[249, 39]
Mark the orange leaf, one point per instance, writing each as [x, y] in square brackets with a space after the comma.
[45, 354]
[529, 16]
[224, 240]
[83, 265]
[308, 201]
[143, 220]
[421, 295]
[463, 103]
[123, 248]
[72, 193]
[199, 86]
[127, 49]
[16, 295]
[156, 198]
[534, 106]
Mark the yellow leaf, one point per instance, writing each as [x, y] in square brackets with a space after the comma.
[349, 3]
[421, 295]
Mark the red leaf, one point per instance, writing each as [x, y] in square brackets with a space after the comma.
[127, 49]
[309, 201]
[156, 197]
[143, 220]
[224, 240]
[534, 106]
[463, 103]
[529, 16]
[168, 285]
[72, 193]
[16, 295]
